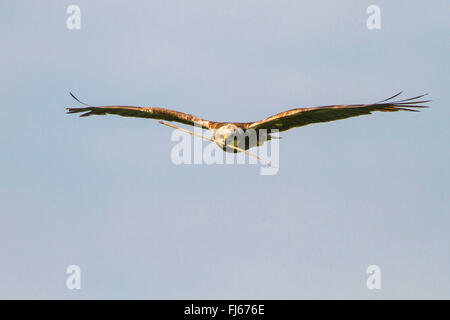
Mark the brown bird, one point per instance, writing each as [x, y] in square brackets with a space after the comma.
[240, 136]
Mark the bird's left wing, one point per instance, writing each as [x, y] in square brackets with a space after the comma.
[141, 112]
[304, 116]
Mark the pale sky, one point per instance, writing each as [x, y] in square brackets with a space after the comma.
[102, 192]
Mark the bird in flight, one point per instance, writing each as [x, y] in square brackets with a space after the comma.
[241, 136]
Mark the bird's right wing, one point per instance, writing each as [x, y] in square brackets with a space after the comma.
[141, 112]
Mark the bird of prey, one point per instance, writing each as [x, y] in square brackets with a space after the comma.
[240, 136]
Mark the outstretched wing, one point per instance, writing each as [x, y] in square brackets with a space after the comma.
[140, 112]
[304, 116]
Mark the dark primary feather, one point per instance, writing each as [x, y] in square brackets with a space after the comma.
[303, 116]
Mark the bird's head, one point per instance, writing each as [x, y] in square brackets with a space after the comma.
[225, 132]
[228, 134]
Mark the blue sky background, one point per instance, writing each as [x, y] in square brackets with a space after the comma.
[102, 193]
